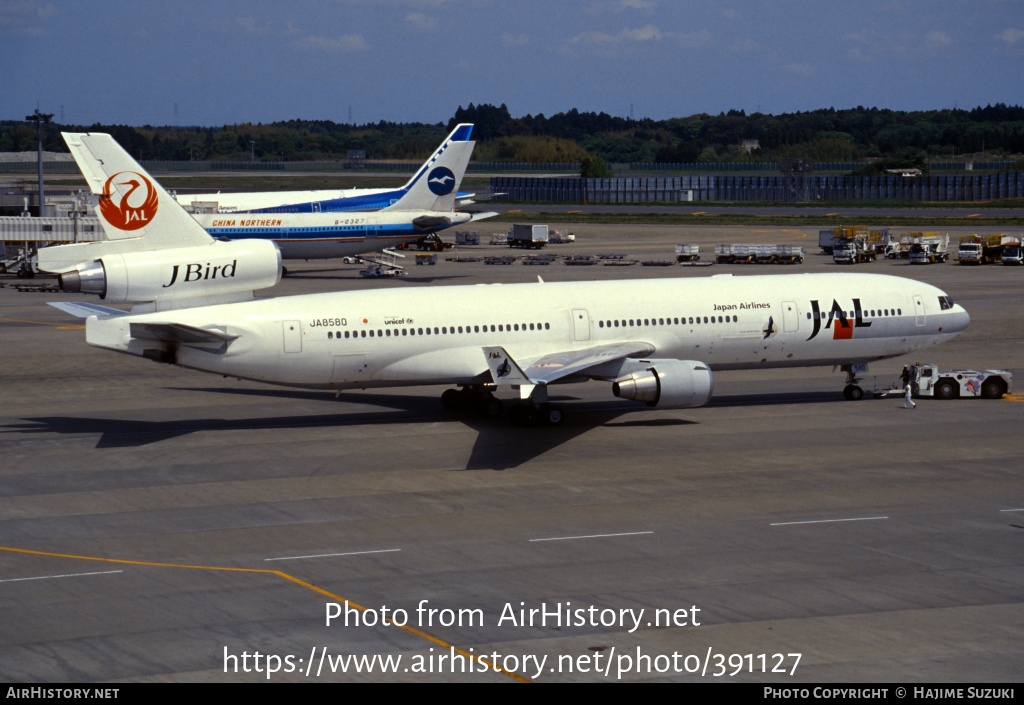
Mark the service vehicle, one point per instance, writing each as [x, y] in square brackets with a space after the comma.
[1012, 253]
[789, 254]
[980, 249]
[928, 249]
[825, 241]
[526, 236]
[687, 253]
[852, 250]
[928, 380]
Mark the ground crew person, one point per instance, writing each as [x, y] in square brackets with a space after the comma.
[908, 392]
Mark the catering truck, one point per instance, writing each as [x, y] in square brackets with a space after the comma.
[928, 249]
[981, 249]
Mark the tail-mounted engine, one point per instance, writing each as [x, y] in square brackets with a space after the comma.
[216, 273]
[667, 384]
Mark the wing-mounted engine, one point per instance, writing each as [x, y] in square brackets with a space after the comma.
[222, 272]
[666, 384]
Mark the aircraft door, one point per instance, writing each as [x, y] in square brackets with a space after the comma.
[316, 206]
[348, 367]
[790, 317]
[292, 336]
[580, 324]
[918, 311]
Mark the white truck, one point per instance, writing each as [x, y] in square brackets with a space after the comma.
[851, 250]
[527, 236]
[898, 249]
[930, 381]
[1013, 253]
[825, 240]
[928, 249]
[981, 249]
[879, 239]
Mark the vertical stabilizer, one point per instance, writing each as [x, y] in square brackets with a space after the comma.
[132, 205]
[436, 184]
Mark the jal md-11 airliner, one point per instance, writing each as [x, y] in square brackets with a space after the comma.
[656, 341]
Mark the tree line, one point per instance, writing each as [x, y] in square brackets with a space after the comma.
[848, 135]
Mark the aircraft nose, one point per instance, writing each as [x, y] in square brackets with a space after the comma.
[961, 319]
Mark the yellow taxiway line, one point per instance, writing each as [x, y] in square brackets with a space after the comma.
[59, 326]
[278, 573]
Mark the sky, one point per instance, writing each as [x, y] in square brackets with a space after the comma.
[216, 62]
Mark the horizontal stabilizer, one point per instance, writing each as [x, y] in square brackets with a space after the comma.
[482, 216]
[180, 333]
[84, 310]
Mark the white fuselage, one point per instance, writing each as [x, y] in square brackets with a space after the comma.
[435, 335]
[327, 235]
[396, 337]
[322, 201]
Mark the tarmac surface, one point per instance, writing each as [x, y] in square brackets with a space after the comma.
[159, 524]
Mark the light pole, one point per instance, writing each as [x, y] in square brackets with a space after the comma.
[40, 119]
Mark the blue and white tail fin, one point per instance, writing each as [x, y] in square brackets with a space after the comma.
[435, 186]
[135, 211]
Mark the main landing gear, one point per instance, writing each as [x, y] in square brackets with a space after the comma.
[474, 398]
[479, 399]
[529, 414]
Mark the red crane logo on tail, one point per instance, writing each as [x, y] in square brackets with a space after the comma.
[124, 215]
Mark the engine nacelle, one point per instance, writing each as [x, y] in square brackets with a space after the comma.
[209, 272]
[667, 384]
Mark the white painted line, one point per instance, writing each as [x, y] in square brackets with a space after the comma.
[1011, 510]
[592, 536]
[826, 521]
[334, 555]
[69, 575]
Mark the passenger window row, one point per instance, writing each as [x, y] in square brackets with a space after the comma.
[442, 330]
[692, 320]
[872, 313]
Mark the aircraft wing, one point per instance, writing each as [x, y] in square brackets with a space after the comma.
[554, 366]
[84, 310]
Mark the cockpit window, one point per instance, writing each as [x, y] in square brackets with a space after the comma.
[945, 303]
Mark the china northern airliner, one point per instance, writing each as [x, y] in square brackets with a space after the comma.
[329, 201]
